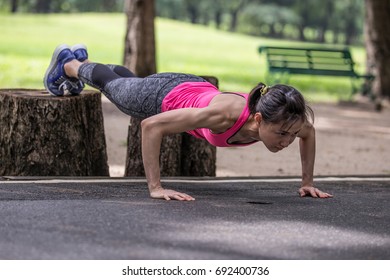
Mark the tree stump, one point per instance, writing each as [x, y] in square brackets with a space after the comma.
[181, 154]
[43, 135]
[198, 157]
[170, 156]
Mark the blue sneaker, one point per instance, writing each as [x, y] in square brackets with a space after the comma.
[80, 52]
[75, 86]
[55, 80]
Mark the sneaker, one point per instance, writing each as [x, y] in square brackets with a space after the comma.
[80, 52]
[55, 80]
[75, 86]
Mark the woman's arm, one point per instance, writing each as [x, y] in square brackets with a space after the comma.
[171, 122]
[307, 145]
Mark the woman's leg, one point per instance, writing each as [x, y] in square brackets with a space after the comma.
[121, 71]
[137, 97]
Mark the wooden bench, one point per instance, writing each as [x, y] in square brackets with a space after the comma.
[315, 61]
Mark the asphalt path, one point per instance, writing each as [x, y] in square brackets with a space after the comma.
[231, 218]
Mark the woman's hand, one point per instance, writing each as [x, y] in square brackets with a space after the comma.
[313, 192]
[170, 194]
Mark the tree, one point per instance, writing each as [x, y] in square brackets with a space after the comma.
[174, 9]
[235, 7]
[14, 6]
[218, 10]
[140, 52]
[192, 7]
[42, 6]
[377, 25]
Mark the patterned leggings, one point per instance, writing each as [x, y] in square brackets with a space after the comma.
[137, 97]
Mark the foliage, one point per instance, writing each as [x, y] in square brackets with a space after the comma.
[268, 20]
[310, 20]
[62, 6]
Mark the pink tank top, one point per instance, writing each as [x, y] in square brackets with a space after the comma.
[199, 95]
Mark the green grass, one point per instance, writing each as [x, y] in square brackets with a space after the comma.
[28, 42]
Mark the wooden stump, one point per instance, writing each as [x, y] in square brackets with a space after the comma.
[198, 157]
[43, 135]
[170, 156]
[181, 154]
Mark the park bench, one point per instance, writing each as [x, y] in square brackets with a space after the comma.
[284, 61]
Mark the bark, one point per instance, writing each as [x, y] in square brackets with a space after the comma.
[198, 157]
[42, 135]
[140, 53]
[169, 156]
[134, 166]
[377, 39]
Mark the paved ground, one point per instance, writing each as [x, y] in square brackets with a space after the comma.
[231, 219]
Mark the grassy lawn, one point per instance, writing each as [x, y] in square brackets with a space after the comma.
[29, 40]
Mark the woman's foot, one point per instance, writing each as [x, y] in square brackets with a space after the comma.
[56, 81]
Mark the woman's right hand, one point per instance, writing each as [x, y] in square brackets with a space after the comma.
[168, 194]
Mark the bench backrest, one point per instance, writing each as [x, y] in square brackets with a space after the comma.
[311, 61]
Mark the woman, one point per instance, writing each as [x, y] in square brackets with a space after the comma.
[172, 103]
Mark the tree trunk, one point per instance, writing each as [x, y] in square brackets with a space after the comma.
[169, 156]
[350, 29]
[218, 19]
[42, 6]
[140, 53]
[42, 135]
[377, 40]
[134, 166]
[14, 6]
[192, 7]
[198, 157]
[234, 20]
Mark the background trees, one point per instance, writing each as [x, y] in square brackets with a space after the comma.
[324, 21]
[61, 6]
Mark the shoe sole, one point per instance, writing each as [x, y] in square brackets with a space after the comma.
[52, 65]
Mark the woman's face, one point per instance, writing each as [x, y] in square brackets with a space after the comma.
[276, 137]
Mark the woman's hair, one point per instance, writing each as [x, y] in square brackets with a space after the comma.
[279, 104]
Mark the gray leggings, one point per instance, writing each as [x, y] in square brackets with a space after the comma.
[137, 97]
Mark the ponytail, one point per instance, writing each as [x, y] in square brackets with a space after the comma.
[254, 97]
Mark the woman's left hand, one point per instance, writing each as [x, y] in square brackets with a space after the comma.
[313, 192]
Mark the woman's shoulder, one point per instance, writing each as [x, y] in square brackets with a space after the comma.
[231, 105]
